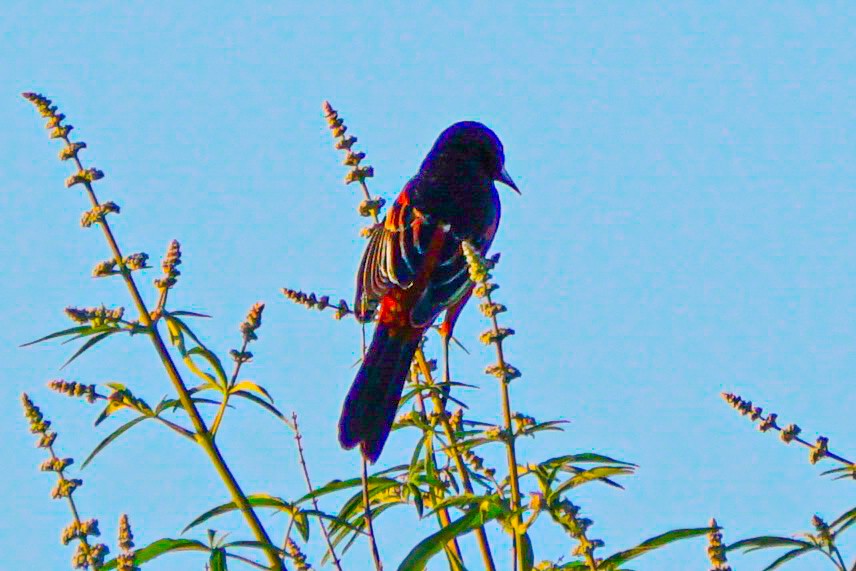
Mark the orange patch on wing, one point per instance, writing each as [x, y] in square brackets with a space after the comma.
[397, 303]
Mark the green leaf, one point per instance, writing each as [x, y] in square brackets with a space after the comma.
[793, 554]
[63, 333]
[459, 501]
[88, 345]
[184, 328]
[353, 508]
[189, 313]
[176, 337]
[600, 473]
[175, 404]
[212, 359]
[766, 542]
[158, 548]
[540, 427]
[218, 560]
[337, 485]
[574, 565]
[90, 331]
[301, 522]
[848, 472]
[255, 500]
[112, 406]
[613, 561]
[416, 463]
[419, 556]
[846, 518]
[264, 404]
[332, 518]
[416, 494]
[113, 436]
[255, 545]
[353, 536]
[584, 458]
[430, 471]
[250, 386]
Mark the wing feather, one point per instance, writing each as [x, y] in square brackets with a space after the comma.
[396, 255]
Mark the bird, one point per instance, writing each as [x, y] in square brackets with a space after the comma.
[413, 269]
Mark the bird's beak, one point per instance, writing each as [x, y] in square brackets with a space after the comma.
[505, 179]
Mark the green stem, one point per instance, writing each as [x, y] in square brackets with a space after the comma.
[453, 550]
[510, 438]
[222, 410]
[481, 535]
[368, 515]
[203, 436]
[843, 566]
[74, 513]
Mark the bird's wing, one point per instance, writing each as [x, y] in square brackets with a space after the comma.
[409, 248]
[395, 254]
[448, 283]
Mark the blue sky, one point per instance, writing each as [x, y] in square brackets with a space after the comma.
[686, 227]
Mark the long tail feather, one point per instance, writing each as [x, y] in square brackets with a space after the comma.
[372, 401]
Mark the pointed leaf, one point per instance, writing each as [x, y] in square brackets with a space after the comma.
[766, 542]
[252, 387]
[416, 494]
[599, 473]
[264, 404]
[613, 561]
[336, 485]
[212, 359]
[158, 548]
[849, 515]
[88, 345]
[255, 500]
[587, 457]
[64, 332]
[419, 556]
[112, 406]
[332, 518]
[90, 331]
[189, 313]
[113, 436]
[793, 554]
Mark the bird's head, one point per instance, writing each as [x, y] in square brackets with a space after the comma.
[472, 142]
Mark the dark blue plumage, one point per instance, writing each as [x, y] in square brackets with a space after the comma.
[413, 268]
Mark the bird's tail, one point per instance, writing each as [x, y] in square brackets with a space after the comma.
[370, 406]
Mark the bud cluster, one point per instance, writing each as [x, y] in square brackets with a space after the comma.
[169, 265]
[353, 159]
[788, 434]
[98, 213]
[715, 549]
[321, 303]
[296, 555]
[95, 316]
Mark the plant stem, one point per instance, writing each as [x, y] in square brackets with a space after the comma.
[840, 558]
[203, 437]
[481, 535]
[299, 439]
[222, 410]
[455, 558]
[74, 513]
[510, 438]
[368, 515]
